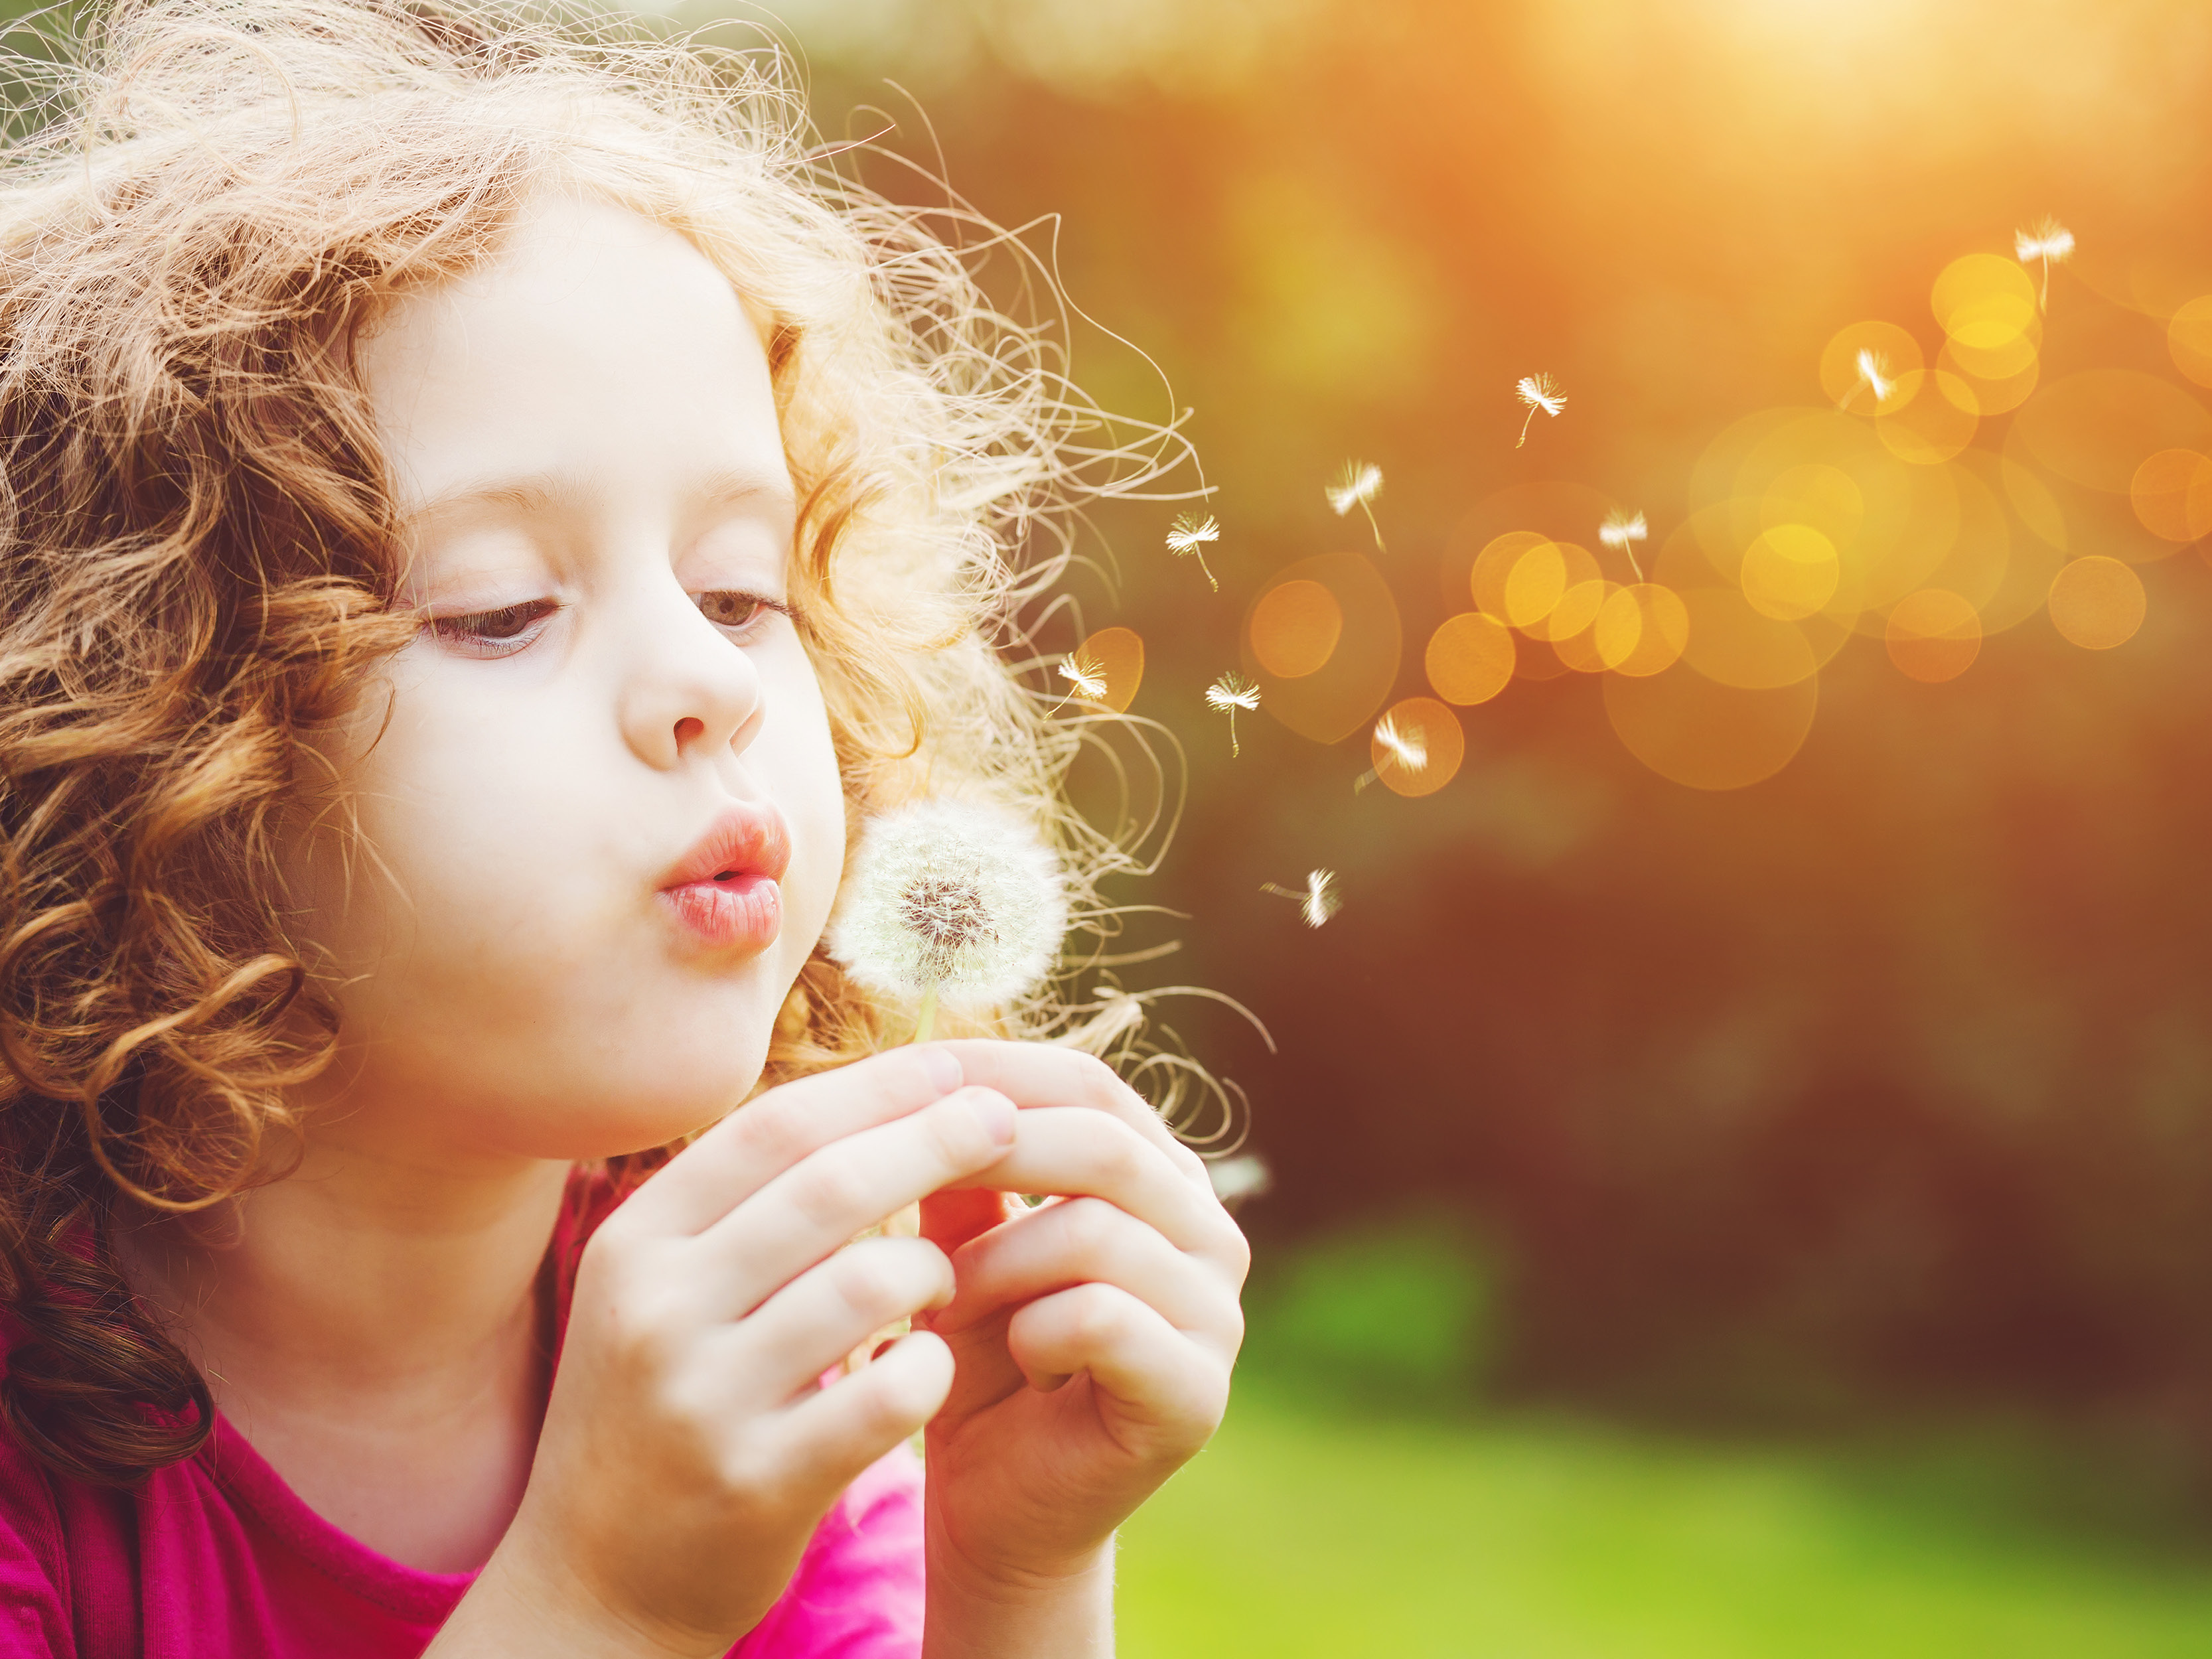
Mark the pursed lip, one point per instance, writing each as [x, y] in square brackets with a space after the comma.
[723, 891]
[746, 839]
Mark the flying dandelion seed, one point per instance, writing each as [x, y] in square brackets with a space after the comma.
[1318, 903]
[952, 901]
[1874, 375]
[2048, 241]
[1188, 537]
[1084, 677]
[1359, 483]
[1538, 392]
[1407, 750]
[1232, 691]
[1622, 533]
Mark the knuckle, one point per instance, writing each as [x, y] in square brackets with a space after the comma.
[776, 1127]
[753, 1468]
[956, 1139]
[1089, 1223]
[869, 1284]
[1094, 1316]
[1099, 1082]
[831, 1192]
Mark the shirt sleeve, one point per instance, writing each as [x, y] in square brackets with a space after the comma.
[34, 1607]
[857, 1592]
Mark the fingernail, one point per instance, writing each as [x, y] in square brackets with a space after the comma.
[995, 1113]
[942, 1069]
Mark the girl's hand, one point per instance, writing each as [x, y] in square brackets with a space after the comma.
[687, 1453]
[1094, 1334]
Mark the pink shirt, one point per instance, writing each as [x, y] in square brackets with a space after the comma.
[215, 1558]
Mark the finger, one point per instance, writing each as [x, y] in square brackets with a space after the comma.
[856, 1419]
[1075, 1152]
[1039, 1074]
[812, 1208]
[1085, 1240]
[822, 1315]
[761, 1139]
[1153, 1372]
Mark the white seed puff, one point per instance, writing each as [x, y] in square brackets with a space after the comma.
[951, 897]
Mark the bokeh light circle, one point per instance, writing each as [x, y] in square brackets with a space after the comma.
[1329, 703]
[1470, 659]
[2189, 338]
[1574, 625]
[1935, 418]
[1998, 388]
[1707, 736]
[1732, 644]
[2097, 427]
[1641, 630]
[1896, 351]
[1118, 653]
[1790, 571]
[1935, 634]
[2172, 494]
[1437, 729]
[1295, 629]
[1534, 585]
[1984, 301]
[1496, 561]
[2097, 602]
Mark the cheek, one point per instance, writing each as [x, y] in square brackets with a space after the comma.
[796, 761]
[500, 940]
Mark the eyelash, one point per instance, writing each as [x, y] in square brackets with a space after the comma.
[471, 631]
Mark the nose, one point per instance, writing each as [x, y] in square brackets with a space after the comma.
[688, 691]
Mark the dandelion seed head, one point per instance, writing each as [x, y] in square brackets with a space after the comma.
[1541, 391]
[1232, 690]
[1408, 749]
[1874, 371]
[953, 896]
[1322, 899]
[1085, 679]
[1618, 529]
[1360, 482]
[1190, 533]
[2046, 240]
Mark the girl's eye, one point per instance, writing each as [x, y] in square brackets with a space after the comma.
[494, 632]
[728, 608]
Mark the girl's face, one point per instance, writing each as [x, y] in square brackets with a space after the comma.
[600, 815]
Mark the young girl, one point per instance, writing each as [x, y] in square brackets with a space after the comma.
[482, 520]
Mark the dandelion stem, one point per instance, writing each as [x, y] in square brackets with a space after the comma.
[1372, 526]
[1525, 425]
[926, 1022]
[1234, 751]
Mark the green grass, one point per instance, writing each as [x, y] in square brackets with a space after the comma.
[1302, 1531]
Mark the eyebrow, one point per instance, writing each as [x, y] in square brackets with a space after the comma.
[542, 493]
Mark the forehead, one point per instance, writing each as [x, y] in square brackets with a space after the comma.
[597, 345]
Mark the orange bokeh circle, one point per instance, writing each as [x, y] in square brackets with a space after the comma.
[2172, 492]
[1707, 736]
[1933, 636]
[1295, 629]
[1118, 654]
[2097, 602]
[1435, 730]
[1470, 659]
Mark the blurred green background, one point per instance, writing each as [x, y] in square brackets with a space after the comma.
[1763, 1222]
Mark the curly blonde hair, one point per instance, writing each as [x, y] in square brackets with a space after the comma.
[213, 200]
